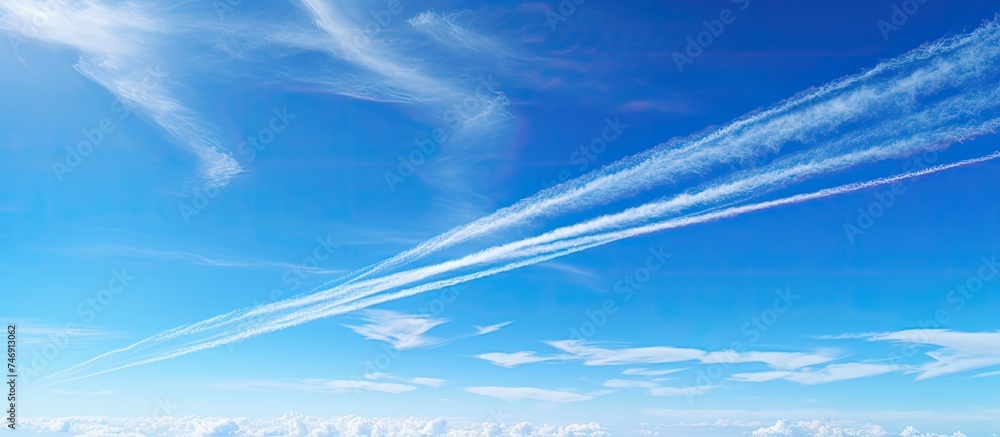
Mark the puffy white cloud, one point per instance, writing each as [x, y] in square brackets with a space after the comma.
[817, 428]
[913, 432]
[293, 424]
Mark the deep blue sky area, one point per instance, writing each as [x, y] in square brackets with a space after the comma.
[315, 217]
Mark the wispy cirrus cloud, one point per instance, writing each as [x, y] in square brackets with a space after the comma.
[454, 31]
[654, 388]
[824, 375]
[194, 256]
[401, 331]
[420, 380]
[529, 393]
[593, 355]
[408, 331]
[299, 311]
[599, 356]
[777, 360]
[638, 371]
[122, 46]
[514, 359]
[377, 65]
[34, 334]
[956, 76]
[489, 329]
[956, 351]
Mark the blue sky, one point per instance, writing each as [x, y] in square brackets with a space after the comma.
[500, 213]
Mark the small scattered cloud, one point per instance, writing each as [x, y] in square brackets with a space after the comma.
[514, 359]
[599, 356]
[626, 383]
[529, 393]
[430, 382]
[957, 351]
[655, 389]
[777, 360]
[401, 331]
[681, 391]
[638, 371]
[828, 374]
[482, 330]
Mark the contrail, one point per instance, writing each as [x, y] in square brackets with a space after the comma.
[943, 93]
[892, 85]
[562, 249]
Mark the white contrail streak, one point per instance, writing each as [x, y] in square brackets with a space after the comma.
[943, 93]
[800, 118]
[561, 249]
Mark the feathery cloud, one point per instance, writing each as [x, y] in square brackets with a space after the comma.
[402, 331]
[529, 393]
